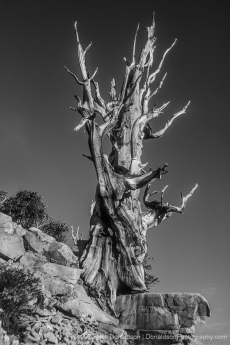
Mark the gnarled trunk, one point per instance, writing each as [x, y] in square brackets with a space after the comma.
[112, 260]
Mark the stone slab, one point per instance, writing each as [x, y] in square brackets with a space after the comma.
[11, 245]
[172, 311]
[81, 305]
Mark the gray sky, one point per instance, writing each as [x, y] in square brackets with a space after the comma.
[39, 151]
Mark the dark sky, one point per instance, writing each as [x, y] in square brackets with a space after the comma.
[39, 150]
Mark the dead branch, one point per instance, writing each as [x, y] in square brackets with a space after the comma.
[140, 181]
[76, 237]
[153, 75]
[169, 122]
[181, 208]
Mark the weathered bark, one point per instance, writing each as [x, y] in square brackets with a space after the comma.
[112, 260]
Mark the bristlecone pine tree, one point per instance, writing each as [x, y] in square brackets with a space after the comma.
[112, 260]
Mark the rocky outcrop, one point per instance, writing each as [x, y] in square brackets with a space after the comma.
[149, 311]
[56, 279]
[10, 227]
[41, 243]
[53, 327]
[70, 315]
[164, 313]
[59, 278]
[80, 303]
[11, 245]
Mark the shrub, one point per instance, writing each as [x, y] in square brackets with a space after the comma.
[56, 229]
[20, 292]
[26, 208]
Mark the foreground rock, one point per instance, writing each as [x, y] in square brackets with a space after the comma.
[11, 245]
[161, 311]
[62, 281]
[81, 304]
[69, 316]
[41, 243]
[57, 328]
[56, 279]
[153, 314]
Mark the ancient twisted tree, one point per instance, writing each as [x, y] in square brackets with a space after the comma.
[112, 260]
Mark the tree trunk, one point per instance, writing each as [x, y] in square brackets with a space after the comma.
[112, 260]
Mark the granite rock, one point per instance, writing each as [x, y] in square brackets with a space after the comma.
[149, 311]
[41, 243]
[6, 225]
[81, 304]
[56, 279]
[11, 245]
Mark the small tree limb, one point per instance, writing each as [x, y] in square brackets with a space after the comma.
[169, 122]
[76, 237]
[74, 76]
[99, 99]
[181, 208]
[140, 181]
[134, 44]
[159, 87]
[153, 75]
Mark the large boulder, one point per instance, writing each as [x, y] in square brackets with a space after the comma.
[6, 224]
[11, 246]
[68, 274]
[155, 311]
[61, 253]
[32, 260]
[80, 304]
[56, 279]
[41, 243]
[38, 241]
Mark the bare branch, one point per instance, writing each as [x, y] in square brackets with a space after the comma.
[138, 129]
[134, 44]
[140, 181]
[87, 48]
[85, 77]
[81, 55]
[146, 50]
[159, 87]
[93, 203]
[169, 122]
[81, 109]
[160, 210]
[156, 112]
[74, 109]
[98, 95]
[76, 237]
[146, 196]
[181, 208]
[74, 76]
[88, 157]
[153, 75]
[123, 89]
[162, 193]
[91, 78]
[83, 122]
